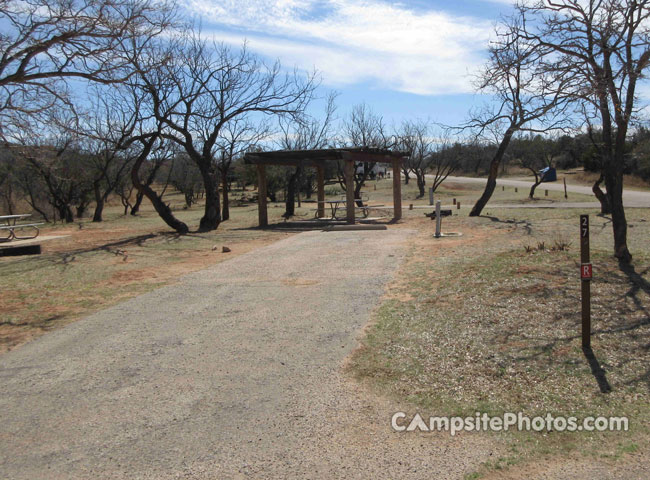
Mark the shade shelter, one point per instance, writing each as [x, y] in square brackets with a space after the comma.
[317, 159]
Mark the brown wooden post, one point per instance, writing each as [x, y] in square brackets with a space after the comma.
[320, 178]
[261, 196]
[397, 191]
[585, 276]
[349, 191]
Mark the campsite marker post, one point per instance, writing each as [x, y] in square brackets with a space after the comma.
[586, 273]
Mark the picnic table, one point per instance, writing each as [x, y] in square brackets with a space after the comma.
[336, 204]
[8, 225]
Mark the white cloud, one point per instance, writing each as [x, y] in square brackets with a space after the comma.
[354, 41]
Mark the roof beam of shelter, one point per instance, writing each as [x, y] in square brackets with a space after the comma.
[371, 157]
[255, 160]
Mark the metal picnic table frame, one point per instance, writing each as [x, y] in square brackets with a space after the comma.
[8, 223]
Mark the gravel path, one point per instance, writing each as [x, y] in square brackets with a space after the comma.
[234, 372]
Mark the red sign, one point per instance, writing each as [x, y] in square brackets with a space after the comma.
[586, 271]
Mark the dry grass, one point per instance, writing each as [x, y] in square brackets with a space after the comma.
[492, 327]
[98, 265]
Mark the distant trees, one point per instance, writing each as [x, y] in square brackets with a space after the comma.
[305, 133]
[238, 136]
[526, 97]
[364, 128]
[535, 153]
[600, 50]
[200, 88]
[431, 153]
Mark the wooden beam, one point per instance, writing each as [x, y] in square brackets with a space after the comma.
[253, 160]
[349, 191]
[261, 196]
[397, 191]
[320, 179]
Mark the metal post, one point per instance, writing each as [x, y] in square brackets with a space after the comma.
[438, 219]
[430, 195]
[585, 276]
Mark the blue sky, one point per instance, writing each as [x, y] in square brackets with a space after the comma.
[404, 59]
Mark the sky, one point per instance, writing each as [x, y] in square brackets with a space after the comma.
[410, 59]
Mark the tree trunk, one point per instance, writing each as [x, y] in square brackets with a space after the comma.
[161, 207]
[290, 200]
[605, 208]
[65, 213]
[538, 181]
[139, 196]
[99, 203]
[212, 212]
[225, 208]
[421, 180]
[614, 185]
[492, 176]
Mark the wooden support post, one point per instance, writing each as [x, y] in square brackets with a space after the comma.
[349, 191]
[565, 195]
[546, 193]
[261, 196]
[585, 277]
[320, 179]
[397, 191]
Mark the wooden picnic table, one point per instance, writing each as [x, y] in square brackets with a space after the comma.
[335, 204]
[8, 224]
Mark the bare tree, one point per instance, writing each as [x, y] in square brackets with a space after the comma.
[45, 42]
[237, 137]
[206, 86]
[364, 128]
[430, 152]
[51, 163]
[604, 46]
[527, 98]
[305, 133]
[105, 130]
[535, 153]
[444, 160]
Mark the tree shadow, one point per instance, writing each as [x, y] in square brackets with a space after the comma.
[517, 223]
[597, 371]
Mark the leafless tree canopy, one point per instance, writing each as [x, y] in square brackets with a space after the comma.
[202, 87]
[45, 42]
[527, 96]
[601, 49]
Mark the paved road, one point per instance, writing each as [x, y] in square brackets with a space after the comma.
[235, 372]
[631, 198]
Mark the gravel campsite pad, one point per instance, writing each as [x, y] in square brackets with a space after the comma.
[234, 372]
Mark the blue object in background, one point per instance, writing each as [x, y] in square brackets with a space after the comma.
[548, 174]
